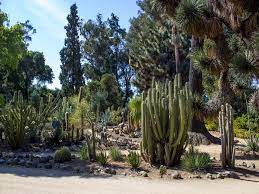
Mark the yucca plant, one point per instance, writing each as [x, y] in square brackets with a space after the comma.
[252, 143]
[84, 155]
[115, 154]
[102, 158]
[134, 159]
[195, 160]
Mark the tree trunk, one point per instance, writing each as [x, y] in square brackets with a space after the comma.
[195, 82]
[225, 92]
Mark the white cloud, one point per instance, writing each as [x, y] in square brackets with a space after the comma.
[54, 10]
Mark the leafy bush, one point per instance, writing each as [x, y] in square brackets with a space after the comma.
[115, 154]
[135, 111]
[116, 117]
[84, 155]
[211, 125]
[194, 160]
[62, 155]
[242, 125]
[102, 158]
[252, 143]
[134, 159]
[162, 170]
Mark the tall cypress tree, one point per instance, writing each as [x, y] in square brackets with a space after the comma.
[71, 76]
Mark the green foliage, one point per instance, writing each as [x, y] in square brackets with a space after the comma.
[134, 159]
[194, 160]
[115, 154]
[110, 85]
[162, 170]
[116, 116]
[2, 101]
[166, 113]
[84, 153]
[135, 110]
[71, 76]
[242, 126]
[102, 158]
[211, 125]
[62, 155]
[252, 143]
[22, 121]
[12, 44]
[105, 53]
[189, 16]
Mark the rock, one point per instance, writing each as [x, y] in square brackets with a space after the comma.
[196, 176]
[21, 162]
[28, 164]
[210, 176]
[44, 159]
[77, 170]
[198, 139]
[176, 175]
[110, 171]
[35, 163]
[73, 148]
[230, 174]
[12, 161]
[143, 173]
[220, 176]
[48, 166]
[66, 167]
[2, 161]
[10, 155]
[244, 164]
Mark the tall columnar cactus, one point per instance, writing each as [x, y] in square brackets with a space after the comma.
[20, 119]
[227, 136]
[166, 114]
[80, 96]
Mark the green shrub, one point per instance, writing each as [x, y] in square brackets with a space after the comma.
[162, 170]
[252, 144]
[115, 154]
[116, 117]
[211, 125]
[102, 158]
[194, 160]
[242, 126]
[62, 155]
[134, 159]
[84, 155]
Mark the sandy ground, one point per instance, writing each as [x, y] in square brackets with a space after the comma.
[37, 181]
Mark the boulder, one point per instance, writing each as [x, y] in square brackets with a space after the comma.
[2, 161]
[110, 171]
[176, 175]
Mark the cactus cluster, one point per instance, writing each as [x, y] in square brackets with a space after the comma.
[166, 115]
[21, 120]
[227, 136]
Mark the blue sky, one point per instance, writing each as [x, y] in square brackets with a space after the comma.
[48, 17]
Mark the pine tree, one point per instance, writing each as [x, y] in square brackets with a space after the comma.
[71, 76]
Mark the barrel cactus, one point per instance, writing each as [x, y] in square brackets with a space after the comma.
[166, 115]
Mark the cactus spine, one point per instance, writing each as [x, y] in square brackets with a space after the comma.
[227, 136]
[166, 114]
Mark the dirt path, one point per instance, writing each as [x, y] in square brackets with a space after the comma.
[36, 181]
